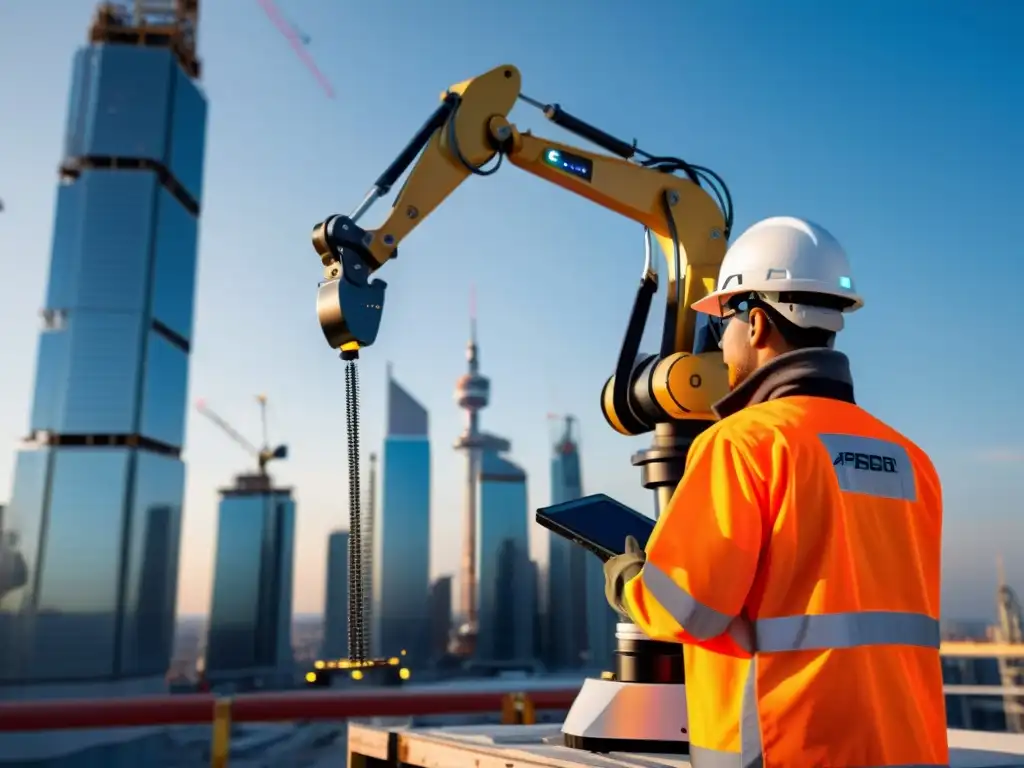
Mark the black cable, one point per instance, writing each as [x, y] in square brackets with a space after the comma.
[726, 204]
[671, 164]
[668, 334]
[695, 173]
[453, 143]
[702, 177]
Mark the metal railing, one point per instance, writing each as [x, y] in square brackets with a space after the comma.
[306, 705]
[968, 649]
[221, 712]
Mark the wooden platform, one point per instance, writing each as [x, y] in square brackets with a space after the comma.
[540, 746]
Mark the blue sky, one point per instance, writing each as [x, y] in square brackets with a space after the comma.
[897, 125]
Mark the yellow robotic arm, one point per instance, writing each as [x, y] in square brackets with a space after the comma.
[469, 130]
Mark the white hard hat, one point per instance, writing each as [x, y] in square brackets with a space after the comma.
[782, 256]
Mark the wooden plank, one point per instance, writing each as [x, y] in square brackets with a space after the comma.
[368, 740]
[495, 746]
[445, 749]
[539, 746]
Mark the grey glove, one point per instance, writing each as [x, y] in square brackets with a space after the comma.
[620, 569]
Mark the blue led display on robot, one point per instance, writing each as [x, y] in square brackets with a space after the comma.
[579, 167]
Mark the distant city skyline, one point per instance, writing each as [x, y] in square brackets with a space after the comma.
[554, 273]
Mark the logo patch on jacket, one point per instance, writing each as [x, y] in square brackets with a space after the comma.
[869, 462]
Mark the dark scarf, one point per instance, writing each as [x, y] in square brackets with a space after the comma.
[817, 372]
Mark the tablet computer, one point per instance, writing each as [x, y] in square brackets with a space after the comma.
[597, 523]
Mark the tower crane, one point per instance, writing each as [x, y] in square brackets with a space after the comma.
[263, 455]
[298, 40]
[178, 20]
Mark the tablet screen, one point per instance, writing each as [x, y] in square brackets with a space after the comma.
[598, 523]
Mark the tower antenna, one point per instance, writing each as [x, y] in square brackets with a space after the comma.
[472, 313]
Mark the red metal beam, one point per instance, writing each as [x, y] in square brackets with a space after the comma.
[256, 707]
[105, 713]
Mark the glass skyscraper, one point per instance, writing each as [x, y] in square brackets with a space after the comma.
[566, 611]
[95, 515]
[335, 643]
[976, 713]
[249, 640]
[401, 533]
[440, 616]
[600, 617]
[581, 623]
[506, 592]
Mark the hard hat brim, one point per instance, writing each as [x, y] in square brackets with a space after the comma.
[712, 303]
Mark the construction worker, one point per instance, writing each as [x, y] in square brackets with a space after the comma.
[799, 557]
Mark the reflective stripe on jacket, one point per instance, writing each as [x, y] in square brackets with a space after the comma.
[799, 561]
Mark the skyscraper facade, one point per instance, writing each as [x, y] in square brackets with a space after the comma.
[13, 572]
[538, 613]
[366, 536]
[95, 513]
[249, 640]
[600, 617]
[440, 616]
[974, 713]
[401, 532]
[335, 642]
[566, 604]
[505, 586]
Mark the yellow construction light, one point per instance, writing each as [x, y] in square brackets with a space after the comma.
[357, 675]
[344, 664]
[404, 673]
[393, 661]
[318, 664]
[311, 677]
[403, 651]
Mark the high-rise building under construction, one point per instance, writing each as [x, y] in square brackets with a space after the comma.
[108, 416]
[250, 626]
[97, 498]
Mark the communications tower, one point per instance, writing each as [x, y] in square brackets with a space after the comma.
[472, 393]
[1010, 630]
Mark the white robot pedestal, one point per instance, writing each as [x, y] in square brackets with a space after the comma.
[642, 710]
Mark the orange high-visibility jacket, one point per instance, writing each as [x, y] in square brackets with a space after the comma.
[799, 561]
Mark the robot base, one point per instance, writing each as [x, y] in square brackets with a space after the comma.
[614, 716]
